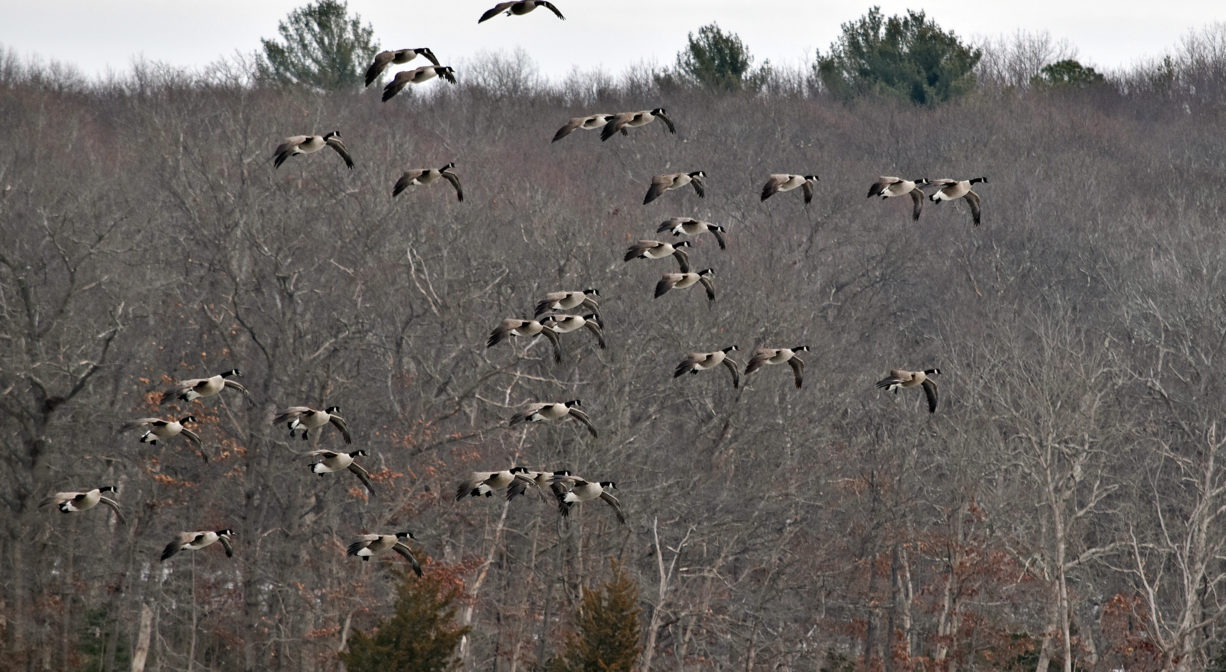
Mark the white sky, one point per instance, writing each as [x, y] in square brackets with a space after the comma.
[99, 36]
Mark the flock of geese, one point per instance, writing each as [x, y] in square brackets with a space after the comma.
[552, 318]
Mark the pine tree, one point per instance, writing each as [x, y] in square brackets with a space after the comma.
[904, 56]
[422, 635]
[1068, 73]
[606, 629]
[321, 47]
[718, 61]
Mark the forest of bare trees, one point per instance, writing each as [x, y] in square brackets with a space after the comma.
[1062, 509]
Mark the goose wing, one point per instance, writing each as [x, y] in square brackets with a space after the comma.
[973, 199]
[405, 181]
[519, 485]
[687, 365]
[696, 182]
[468, 487]
[583, 417]
[617, 507]
[336, 144]
[402, 549]
[593, 327]
[361, 542]
[808, 189]
[659, 184]
[557, 346]
[667, 282]
[736, 377]
[398, 82]
[760, 357]
[772, 185]
[495, 11]
[363, 476]
[339, 423]
[879, 186]
[286, 150]
[57, 498]
[668, 122]
[798, 370]
[615, 124]
[429, 54]
[177, 544]
[917, 196]
[682, 260]
[191, 436]
[500, 332]
[551, 8]
[290, 414]
[930, 391]
[893, 379]
[382, 59]
[706, 284]
[179, 390]
[574, 123]
[141, 422]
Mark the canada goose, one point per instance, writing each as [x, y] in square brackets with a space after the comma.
[764, 356]
[889, 187]
[654, 249]
[163, 429]
[73, 502]
[564, 324]
[693, 227]
[533, 328]
[788, 182]
[417, 76]
[572, 491]
[542, 411]
[419, 176]
[198, 388]
[332, 461]
[670, 181]
[701, 361]
[309, 144]
[904, 378]
[398, 56]
[588, 123]
[569, 301]
[194, 541]
[307, 418]
[624, 120]
[538, 479]
[486, 483]
[518, 7]
[954, 189]
[683, 280]
[367, 546]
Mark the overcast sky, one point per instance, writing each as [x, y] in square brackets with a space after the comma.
[108, 35]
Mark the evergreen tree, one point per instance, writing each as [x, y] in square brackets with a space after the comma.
[1067, 73]
[905, 56]
[422, 635]
[321, 47]
[718, 61]
[606, 630]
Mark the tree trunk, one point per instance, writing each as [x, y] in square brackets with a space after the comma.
[144, 632]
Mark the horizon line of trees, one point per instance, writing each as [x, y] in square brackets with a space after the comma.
[907, 57]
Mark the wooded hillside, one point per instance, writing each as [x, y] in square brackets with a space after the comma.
[1066, 497]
